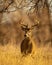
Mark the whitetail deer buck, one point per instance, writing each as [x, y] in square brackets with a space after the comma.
[27, 44]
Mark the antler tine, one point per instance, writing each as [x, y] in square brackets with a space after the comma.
[34, 26]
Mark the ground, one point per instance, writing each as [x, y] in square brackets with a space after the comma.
[11, 55]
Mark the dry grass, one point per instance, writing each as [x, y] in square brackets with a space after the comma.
[10, 55]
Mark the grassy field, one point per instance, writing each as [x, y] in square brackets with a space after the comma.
[10, 55]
